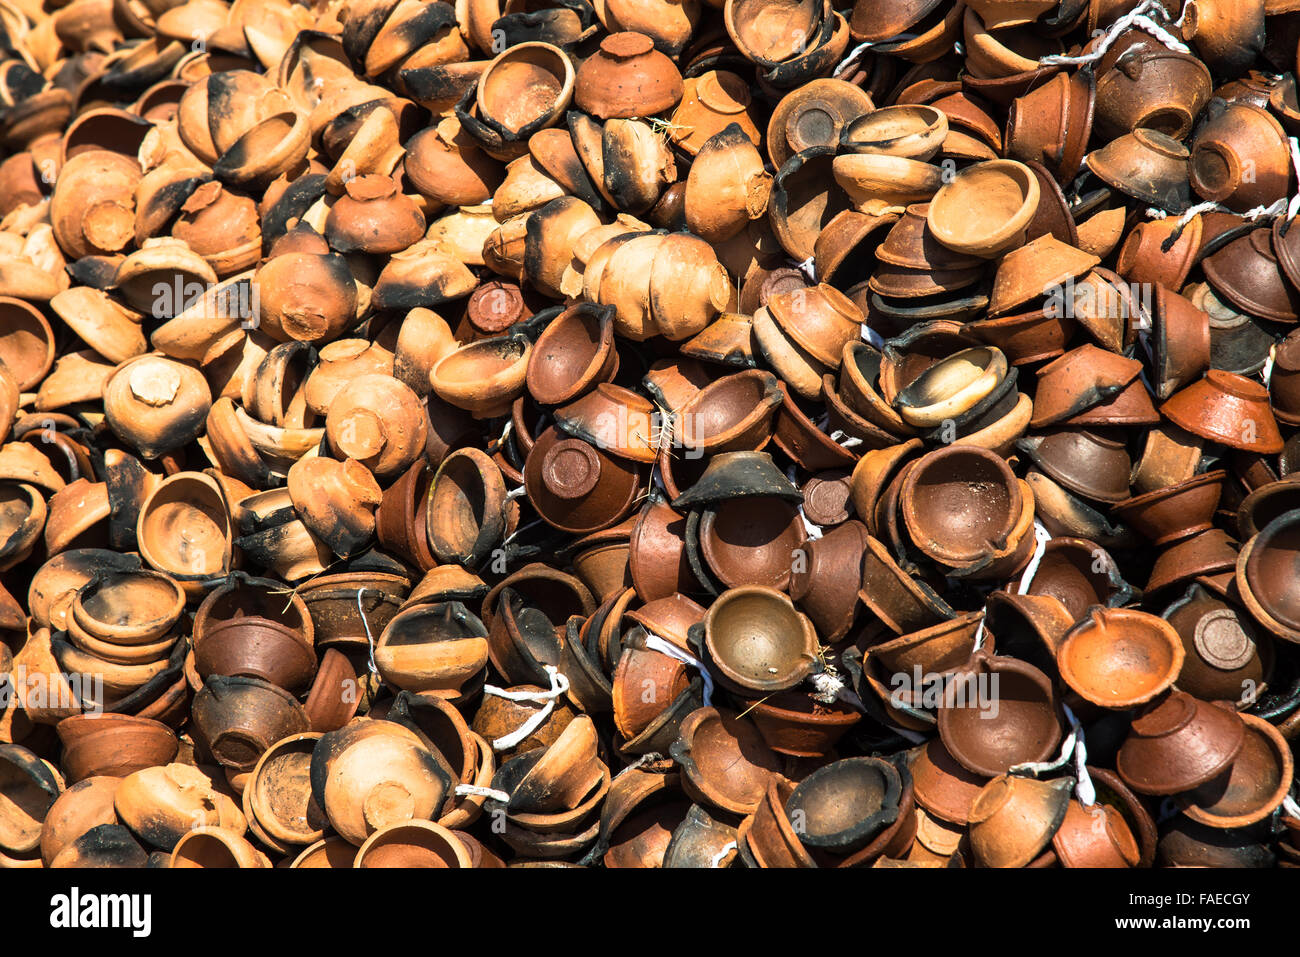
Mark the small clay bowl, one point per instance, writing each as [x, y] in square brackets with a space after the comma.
[951, 387]
[465, 510]
[1095, 836]
[435, 647]
[1012, 820]
[413, 844]
[113, 745]
[943, 787]
[1226, 408]
[724, 760]
[758, 640]
[1087, 463]
[184, 529]
[944, 517]
[542, 69]
[573, 353]
[843, 805]
[216, 847]
[162, 804]
[998, 712]
[912, 131]
[238, 719]
[1120, 657]
[279, 792]
[1179, 743]
[1147, 165]
[986, 208]
[1252, 787]
[1176, 511]
[750, 541]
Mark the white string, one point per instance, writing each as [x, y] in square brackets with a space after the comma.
[559, 685]
[811, 528]
[1083, 787]
[1290, 806]
[515, 493]
[854, 56]
[655, 643]
[519, 531]
[464, 790]
[370, 639]
[1043, 767]
[807, 267]
[726, 849]
[1041, 537]
[979, 635]
[1268, 365]
[1137, 17]
[844, 440]
[1294, 146]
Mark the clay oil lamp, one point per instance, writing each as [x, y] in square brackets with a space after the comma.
[748, 541]
[184, 530]
[951, 387]
[576, 486]
[986, 208]
[238, 719]
[1226, 408]
[1079, 381]
[1178, 744]
[1147, 165]
[771, 838]
[875, 182]
[990, 733]
[278, 796]
[627, 77]
[465, 510]
[904, 604]
[844, 804]
[1012, 820]
[1224, 652]
[1087, 463]
[216, 847]
[724, 759]
[24, 516]
[336, 501]
[912, 131]
[1119, 657]
[803, 202]
[81, 808]
[162, 804]
[1241, 137]
[243, 628]
[1151, 87]
[373, 217]
[1095, 836]
[640, 671]
[413, 844]
[156, 405]
[435, 647]
[1246, 273]
[127, 612]
[573, 354]
[727, 186]
[561, 781]
[937, 504]
[379, 422]
[539, 67]
[1252, 787]
[483, 377]
[1038, 268]
[31, 788]
[758, 640]
[1182, 342]
[796, 724]
[1175, 511]
[371, 774]
[814, 114]
[825, 585]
